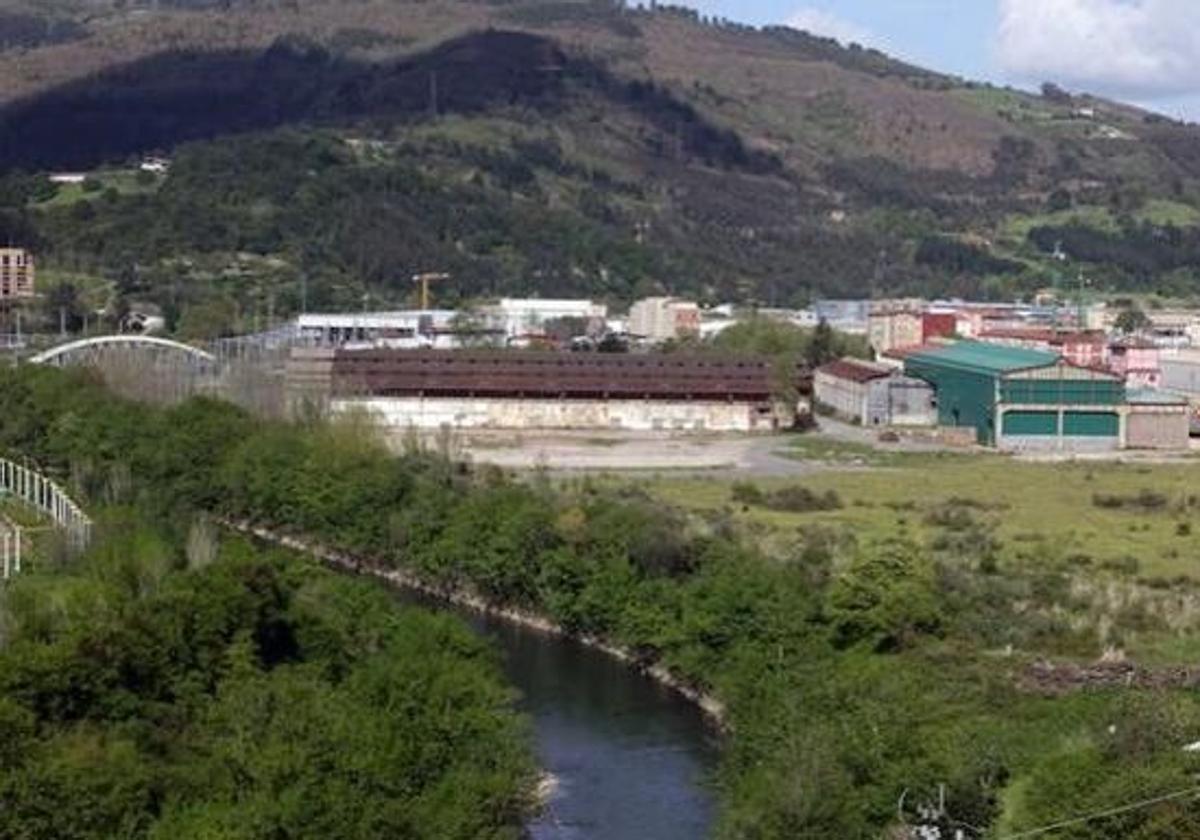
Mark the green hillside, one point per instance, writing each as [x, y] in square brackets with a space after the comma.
[556, 148]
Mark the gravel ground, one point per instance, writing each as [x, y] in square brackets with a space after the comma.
[630, 452]
[732, 454]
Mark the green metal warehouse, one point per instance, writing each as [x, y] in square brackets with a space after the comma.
[1023, 399]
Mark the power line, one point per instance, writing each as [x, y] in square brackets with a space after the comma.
[1112, 812]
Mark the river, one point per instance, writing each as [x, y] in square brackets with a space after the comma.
[632, 760]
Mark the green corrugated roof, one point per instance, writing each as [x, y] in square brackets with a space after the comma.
[985, 358]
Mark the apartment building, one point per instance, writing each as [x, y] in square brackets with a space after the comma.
[16, 274]
[663, 318]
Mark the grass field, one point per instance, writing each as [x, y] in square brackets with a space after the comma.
[1122, 541]
[124, 181]
[1051, 506]
[1157, 211]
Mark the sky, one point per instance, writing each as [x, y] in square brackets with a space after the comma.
[1141, 51]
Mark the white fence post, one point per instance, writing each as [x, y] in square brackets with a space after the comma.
[39, 492]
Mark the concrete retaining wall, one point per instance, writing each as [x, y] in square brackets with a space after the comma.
[624, 415]
[1162, 429]
[1053, 443]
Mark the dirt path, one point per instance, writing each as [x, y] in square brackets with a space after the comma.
[1057, 679]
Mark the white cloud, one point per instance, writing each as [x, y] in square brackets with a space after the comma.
[829, 25]
[1136, 48]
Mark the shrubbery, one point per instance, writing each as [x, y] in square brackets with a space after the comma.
[1144, 500]
[790, 499]
[257, 697]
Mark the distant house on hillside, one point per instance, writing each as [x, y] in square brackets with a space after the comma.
[156, 165]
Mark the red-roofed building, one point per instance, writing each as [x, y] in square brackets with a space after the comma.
[873, 394]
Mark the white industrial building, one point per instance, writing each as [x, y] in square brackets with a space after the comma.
[525, 318]
[404, 329]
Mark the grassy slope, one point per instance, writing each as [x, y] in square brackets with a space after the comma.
[1038, 513]
[796, 95]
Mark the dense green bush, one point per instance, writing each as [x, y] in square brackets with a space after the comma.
[258, 697]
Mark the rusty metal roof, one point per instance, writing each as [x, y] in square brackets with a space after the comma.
[853, 370]
[522, 374]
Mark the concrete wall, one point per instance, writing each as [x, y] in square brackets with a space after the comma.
[911, 402]
[1181, 374]
[878, 403]
[847, 399]
[1151, 428]
[889, 401]
[1051, 443]
[625, 415]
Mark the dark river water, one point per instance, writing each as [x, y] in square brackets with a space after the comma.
[632, 760]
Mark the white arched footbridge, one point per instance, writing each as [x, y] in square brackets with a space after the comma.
[86, 350]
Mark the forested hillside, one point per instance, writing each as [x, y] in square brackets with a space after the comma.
[565, 147]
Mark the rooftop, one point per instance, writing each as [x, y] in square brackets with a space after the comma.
[984, 358]
[1049, 336]
[1149, 396]
[854, 370]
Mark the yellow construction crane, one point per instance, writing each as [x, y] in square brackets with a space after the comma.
[424, 280]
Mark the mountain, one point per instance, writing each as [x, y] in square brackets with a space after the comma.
[560, 147]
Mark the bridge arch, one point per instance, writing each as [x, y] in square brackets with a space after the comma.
[84, 347]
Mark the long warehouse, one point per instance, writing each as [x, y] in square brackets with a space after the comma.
[528, 390]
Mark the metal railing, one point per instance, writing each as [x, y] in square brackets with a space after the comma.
[45, 496]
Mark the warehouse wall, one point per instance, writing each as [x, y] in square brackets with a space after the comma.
[964, 398]
[1050, 443]
[911, 402]
[1082, 431]
[846, 398]
[1181, 375]
[1155, 428]
[627, 415]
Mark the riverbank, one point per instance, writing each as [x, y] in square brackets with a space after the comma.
[714, 710]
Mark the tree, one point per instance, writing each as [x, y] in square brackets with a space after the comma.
[1059, 200]
[822, 348]
[64, 308]
[1132, 320]
[207, 320]
[1053, 93]
[885, 598]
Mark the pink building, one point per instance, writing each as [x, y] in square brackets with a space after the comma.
[1138, 360]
